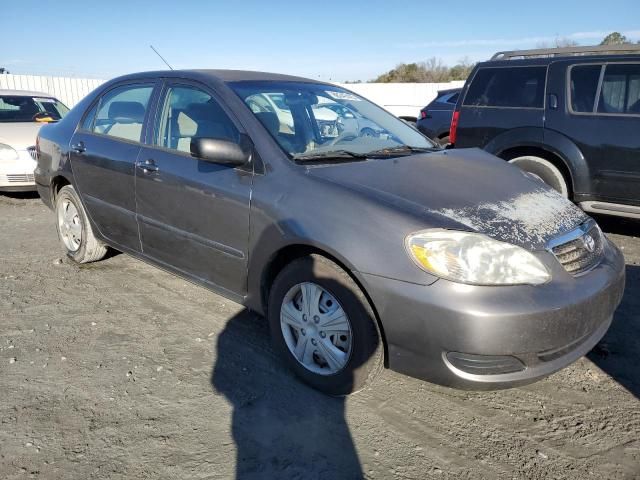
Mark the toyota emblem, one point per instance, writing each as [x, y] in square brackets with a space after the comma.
[589, 243]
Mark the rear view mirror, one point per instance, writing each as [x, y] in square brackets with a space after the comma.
[219, 151]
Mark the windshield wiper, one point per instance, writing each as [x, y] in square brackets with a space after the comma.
[401, 149]
[331, 155]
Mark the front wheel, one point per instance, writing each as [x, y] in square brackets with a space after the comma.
[324, 327]
[74, 229]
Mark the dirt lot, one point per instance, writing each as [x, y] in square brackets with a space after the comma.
[119, 370]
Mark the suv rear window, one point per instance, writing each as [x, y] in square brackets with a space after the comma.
[521, 87]
[584, 85]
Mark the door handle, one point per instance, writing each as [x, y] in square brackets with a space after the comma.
[148, 166]
[79, 147]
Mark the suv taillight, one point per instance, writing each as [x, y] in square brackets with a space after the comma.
[423, 114]
[453, 130]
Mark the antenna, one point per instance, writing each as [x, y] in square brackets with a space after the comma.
[161, 57]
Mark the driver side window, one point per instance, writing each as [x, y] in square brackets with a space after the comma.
[188, 113]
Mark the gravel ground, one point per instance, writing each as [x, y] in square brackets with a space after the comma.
[118, 370]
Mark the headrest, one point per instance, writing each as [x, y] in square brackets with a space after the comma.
[203, 111]
[270, 121]
[126, 112]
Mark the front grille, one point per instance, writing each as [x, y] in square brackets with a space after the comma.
[33, 152]
[580, 250]
[20, 178]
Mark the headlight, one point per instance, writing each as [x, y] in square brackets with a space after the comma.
[7, 153]
[474, 258]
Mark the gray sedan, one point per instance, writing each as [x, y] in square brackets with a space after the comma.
[362, 252]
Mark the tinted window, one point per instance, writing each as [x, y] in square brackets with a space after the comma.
[20, 108]
[454, 98]
[620, 89]
[190, 113]
[122, 110]
[584, 85]
[87, 122]
[507, 87]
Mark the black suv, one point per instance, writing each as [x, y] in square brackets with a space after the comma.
[570, 116]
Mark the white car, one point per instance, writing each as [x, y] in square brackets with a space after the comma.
[22, 113]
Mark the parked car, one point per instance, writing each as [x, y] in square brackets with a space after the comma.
[569, 116]
[448, 265]
[435, 118]
[350, 121]
[22, 114]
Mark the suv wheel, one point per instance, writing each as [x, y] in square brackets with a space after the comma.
[74, 229]
[544, 170]
[323, 326]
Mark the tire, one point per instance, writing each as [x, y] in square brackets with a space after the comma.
[444, 141]
[74, 230]
[545, 171]
[363, 352]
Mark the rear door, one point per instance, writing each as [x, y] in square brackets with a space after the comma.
[193, 214]
[618, 111]
[104, 150]
[501, 98]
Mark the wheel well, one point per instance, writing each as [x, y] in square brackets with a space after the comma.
[56, 184]
[292, 252]
[556, 160]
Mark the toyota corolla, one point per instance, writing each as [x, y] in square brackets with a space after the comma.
[361, 251]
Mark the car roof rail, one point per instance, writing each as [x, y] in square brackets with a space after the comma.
[567, 51]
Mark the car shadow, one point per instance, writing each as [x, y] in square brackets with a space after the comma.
[618, 225]
[281, 427]
[21, 195]
[618, 353]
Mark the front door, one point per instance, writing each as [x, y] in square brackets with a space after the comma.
[193, 214]
[103, 154]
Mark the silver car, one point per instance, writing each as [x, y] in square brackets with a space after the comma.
[22, 113]
[362, 252]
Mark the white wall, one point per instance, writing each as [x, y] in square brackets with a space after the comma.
[402, 99]
[68, 90]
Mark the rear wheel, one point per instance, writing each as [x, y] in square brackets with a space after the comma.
[322, 325]
[74, 229]
[444, 141]
[544, 170]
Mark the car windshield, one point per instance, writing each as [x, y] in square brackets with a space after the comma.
[20, 108]
[314, 121]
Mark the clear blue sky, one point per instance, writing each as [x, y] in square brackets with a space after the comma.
[330, 39]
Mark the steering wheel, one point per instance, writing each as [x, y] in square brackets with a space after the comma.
[342, 137]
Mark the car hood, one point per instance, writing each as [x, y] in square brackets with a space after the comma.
[19, 135]
[463, 190]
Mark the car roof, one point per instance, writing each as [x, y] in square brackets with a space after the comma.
[448, 91]
[559, 58]
[220, 75]
[24, 93]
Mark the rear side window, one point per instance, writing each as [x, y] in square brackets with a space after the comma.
[519, 87]
[453, 98]
[121, 112]
[584, 87]
[620, 91]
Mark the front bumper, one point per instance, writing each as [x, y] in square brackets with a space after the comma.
[17, 175]
[445, 332]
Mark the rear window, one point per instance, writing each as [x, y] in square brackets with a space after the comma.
[20, 108]
[584, 86]
[453, 98]
[516, 87]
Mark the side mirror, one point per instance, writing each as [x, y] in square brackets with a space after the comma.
[222, 152]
